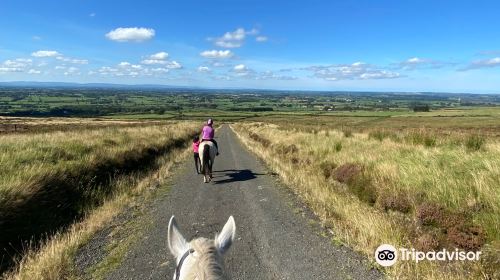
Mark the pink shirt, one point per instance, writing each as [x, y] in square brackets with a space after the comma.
[196, 145]
[207, 132]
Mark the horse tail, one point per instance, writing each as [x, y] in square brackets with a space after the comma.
[206, 157]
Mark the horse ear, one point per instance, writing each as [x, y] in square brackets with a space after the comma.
[225, 238]
[176, 242]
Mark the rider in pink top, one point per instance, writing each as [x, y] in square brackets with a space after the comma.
[208, 133]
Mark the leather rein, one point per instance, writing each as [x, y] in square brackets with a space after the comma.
[178, 268]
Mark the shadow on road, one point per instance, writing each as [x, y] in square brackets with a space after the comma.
[236, 175]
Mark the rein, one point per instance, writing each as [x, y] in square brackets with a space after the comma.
[178, 268]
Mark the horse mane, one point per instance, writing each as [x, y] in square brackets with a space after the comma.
[208, 265]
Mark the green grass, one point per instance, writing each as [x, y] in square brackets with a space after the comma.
[94, 102]
[475, 142]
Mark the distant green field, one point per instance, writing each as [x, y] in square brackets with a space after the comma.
[161, 104]
[308, 110]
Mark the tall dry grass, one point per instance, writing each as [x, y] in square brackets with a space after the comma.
[49, 180]
[27, 158]
[375, 190]
[55, 258]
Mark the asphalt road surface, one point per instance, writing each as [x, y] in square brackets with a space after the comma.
[273, 239]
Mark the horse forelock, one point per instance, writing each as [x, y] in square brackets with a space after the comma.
[208, 261]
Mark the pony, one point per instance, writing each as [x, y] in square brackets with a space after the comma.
[207, 156]
[200, 259]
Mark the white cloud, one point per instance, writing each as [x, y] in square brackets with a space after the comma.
[380, 74]
[131, 34]
[59, 67]
[231, 39]
[261, 38]
[106, 70]
[486, 63]
[269, 75]
[15, 65]
[493, 62]
[10, 69]
[417, 62]
[72, 71]
[234, 39]
[58, 56]
[354, 71]
[217, 54]
[414, 60]
[36, 38]
[72, 60]
[33, 71]
[127, 69]
[124, 64]
[127, 66]
[159, 56]
[240, 68]
[242, 71]
[204, 69]
[174, 65]
[92, 14]
[153, 61]
[18, 62]
[168, 64]
[45, 54]
[216, 63]
[110, 71]
[160, 70]
[161, 59]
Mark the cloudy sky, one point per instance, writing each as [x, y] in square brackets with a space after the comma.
[318, 45]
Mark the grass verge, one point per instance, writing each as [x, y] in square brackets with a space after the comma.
[376, 191]
[54, 259]
[52, 180]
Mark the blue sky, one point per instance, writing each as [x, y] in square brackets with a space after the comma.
[318, 45]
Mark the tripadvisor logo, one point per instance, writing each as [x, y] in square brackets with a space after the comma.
[387, 255]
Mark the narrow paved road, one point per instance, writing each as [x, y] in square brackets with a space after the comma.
[273, 240]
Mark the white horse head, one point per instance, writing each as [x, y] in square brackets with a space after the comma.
[201, 258]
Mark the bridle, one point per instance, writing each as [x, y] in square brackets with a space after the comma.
[178, 268]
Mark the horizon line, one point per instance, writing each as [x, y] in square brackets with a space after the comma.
[237, 88]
